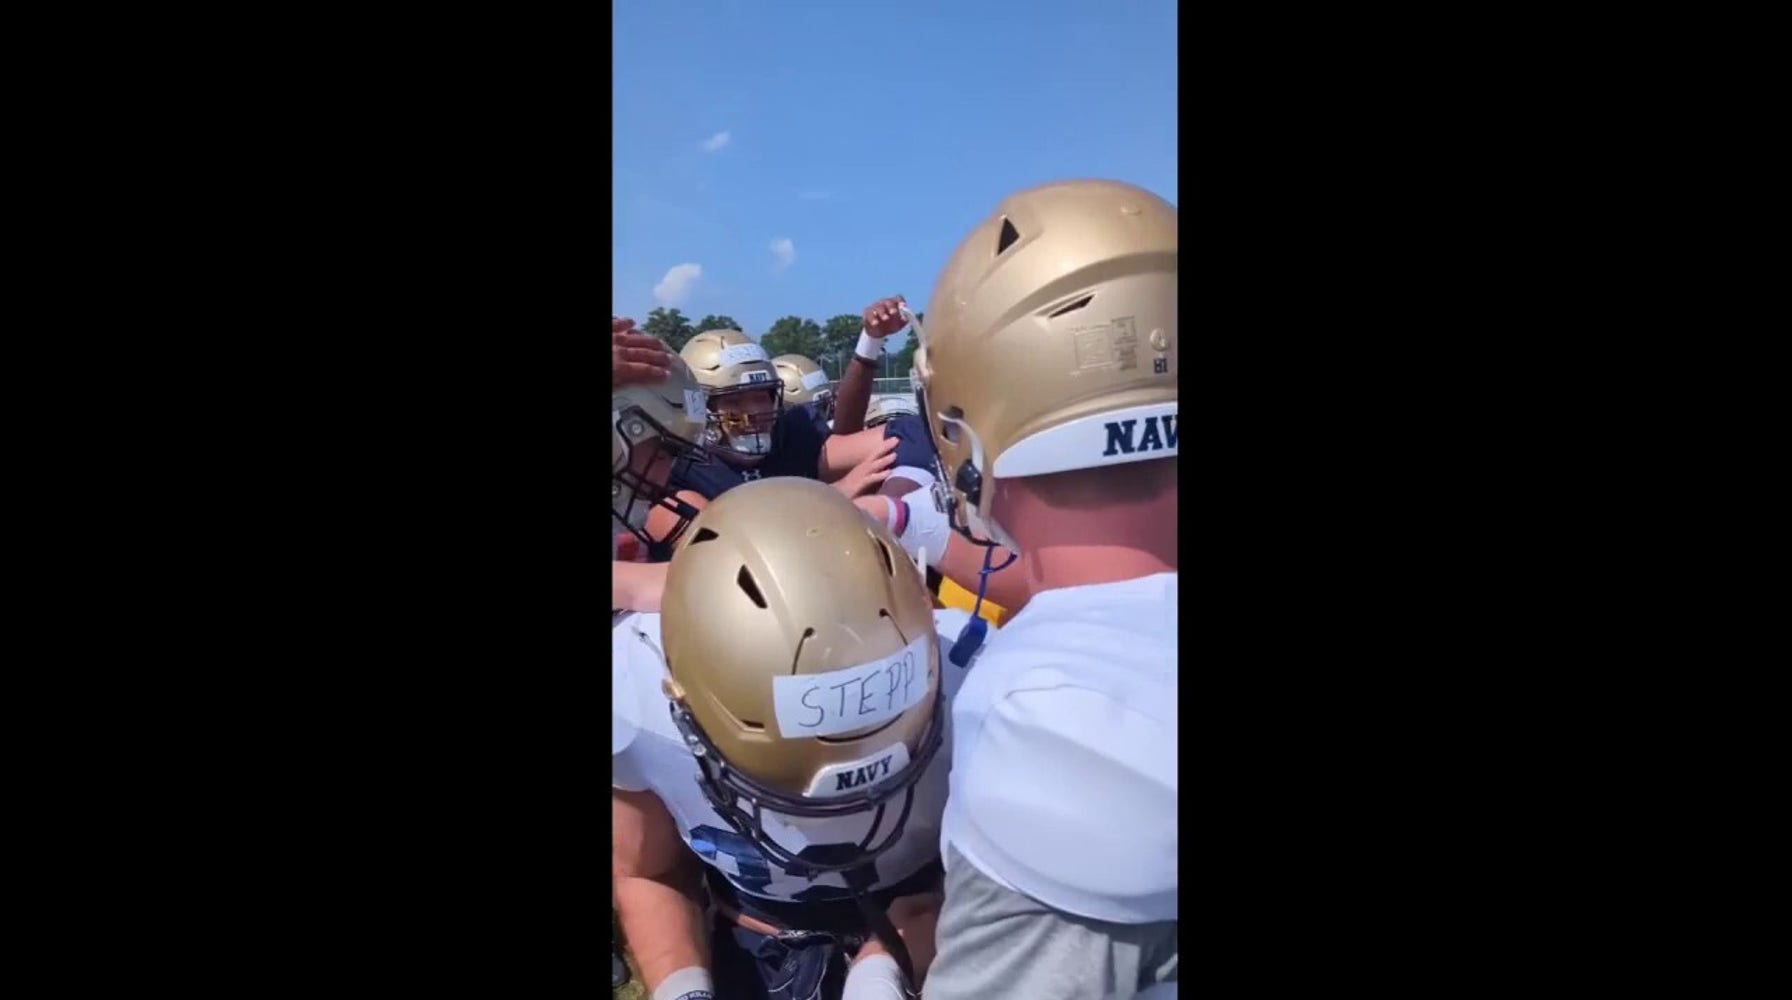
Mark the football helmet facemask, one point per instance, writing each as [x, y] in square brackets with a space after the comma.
[653, 425]
[805, 669]
[744, 393]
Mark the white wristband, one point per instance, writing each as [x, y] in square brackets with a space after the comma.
[874, 977]
[870, 348]
[688, 983]
[927, 527]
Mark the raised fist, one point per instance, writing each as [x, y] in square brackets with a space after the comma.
[883, 317]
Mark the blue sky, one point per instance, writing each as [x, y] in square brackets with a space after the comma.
[810, 156]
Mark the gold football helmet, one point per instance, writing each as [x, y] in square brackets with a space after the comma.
[744, 392]
[886, 408]
[653, 425]
[805, 670]
[805, 382]
[1051, 344]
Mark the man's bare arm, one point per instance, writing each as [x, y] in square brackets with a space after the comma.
[637, 586]
[657, 888]
[853, 395]
[843, 452]
[914, 918]
[962, 561]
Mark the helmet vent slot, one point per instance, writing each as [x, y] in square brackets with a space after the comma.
[703, 535]
[1073, 307]
[745, 579]
[883, 552]
[1008, 237]
[949, 430]
[884, 613]
[800, 643]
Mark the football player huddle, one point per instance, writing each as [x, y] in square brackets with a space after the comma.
[831, 777]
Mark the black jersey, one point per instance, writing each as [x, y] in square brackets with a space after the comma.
[821, 423]
[796, 451]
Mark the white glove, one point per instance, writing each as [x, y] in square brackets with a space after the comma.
[926, 529]
[874, 977]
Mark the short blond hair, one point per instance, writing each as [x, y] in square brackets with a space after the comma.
[1086, 489]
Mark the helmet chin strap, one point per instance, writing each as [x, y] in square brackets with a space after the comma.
[969, 481]
[971, 639]
[861, 879]
[988, 528]
[986, 533]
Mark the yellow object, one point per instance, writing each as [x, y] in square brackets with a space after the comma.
[954, 596]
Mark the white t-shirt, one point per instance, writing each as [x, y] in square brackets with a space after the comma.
[647, 753]
[1064, 739]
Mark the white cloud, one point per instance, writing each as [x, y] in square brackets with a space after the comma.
[673, 288]
[784, 252]
[716, 141]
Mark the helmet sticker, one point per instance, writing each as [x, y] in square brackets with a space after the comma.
[735, 354]
[1114, 344]
[696, 406]
[848, 777]
[841, 701]
[815, 379]
[1134, 434]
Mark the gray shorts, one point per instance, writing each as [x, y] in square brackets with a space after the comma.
[995, 943]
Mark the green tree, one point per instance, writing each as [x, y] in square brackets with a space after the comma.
[793, 335]
[838, 338]
[904, 360]
[713, 322]
[670, 326]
